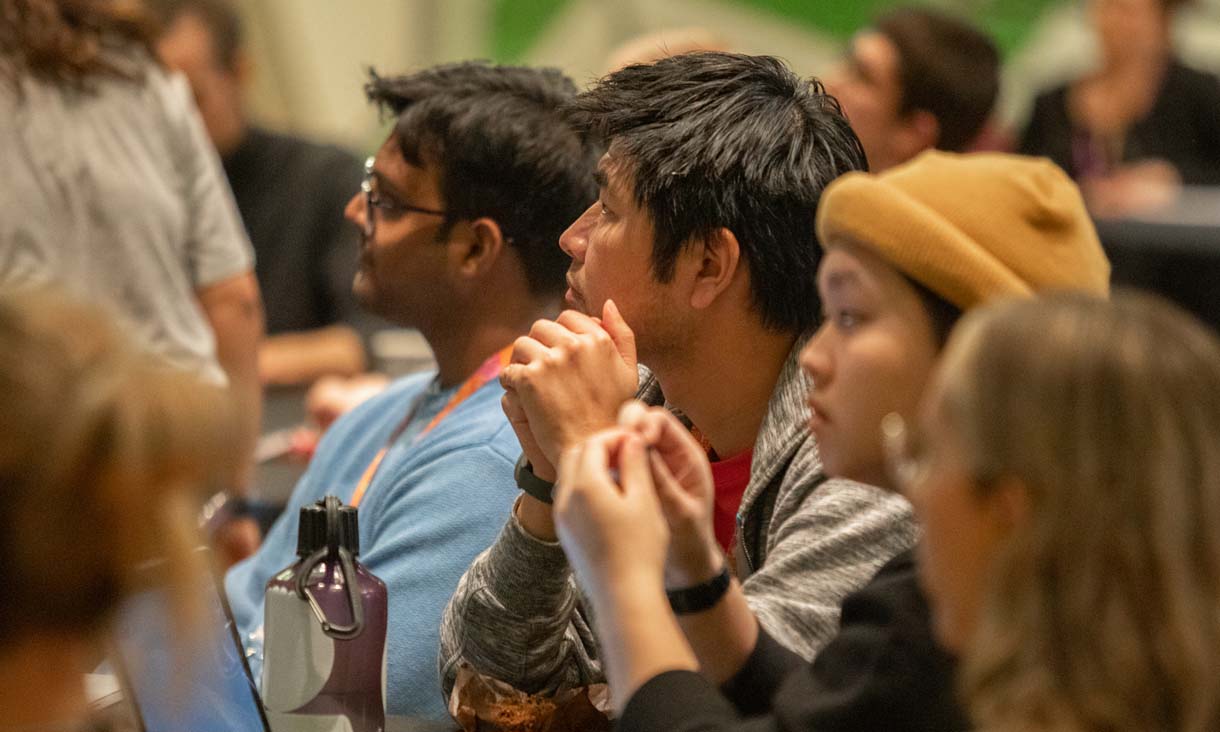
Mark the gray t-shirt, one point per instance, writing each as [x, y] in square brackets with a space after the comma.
[116, 195]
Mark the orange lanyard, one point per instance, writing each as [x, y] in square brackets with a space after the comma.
[490, 369]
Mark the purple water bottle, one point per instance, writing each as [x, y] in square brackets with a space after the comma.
[325, 627]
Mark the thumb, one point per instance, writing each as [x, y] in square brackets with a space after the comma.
[635, 475]
[620, 332]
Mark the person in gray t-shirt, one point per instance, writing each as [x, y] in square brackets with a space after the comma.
[113, 193]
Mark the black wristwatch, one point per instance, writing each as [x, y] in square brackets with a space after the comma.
[530, 483]
[703, 596]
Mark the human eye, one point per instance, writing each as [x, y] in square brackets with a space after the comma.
[602, 209]
[845, 319]
[385, 202]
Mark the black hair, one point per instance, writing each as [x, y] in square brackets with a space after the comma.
[501, 149]
[728, 140]
[218, 16]
[942, 313]
[946, 67]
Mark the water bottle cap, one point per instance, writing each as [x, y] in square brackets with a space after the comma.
[312, 532]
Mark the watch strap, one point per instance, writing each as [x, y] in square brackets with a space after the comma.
[523, 473]
[700, 597]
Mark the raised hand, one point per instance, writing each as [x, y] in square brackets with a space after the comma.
[613, 531]
[683, 480]
[567, 380]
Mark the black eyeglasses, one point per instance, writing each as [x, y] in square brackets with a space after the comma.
[373, 201]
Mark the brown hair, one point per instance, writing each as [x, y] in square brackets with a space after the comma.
[1104, 608]
[69, 41]
[219, 17]
[946, 67]
[104, 454]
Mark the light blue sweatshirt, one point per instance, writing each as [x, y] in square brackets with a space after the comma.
[436, 502]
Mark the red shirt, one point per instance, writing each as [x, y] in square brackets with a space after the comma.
[730, 478]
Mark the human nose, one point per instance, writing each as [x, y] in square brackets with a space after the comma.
[575, 239]
[355, 211]
[815, 358]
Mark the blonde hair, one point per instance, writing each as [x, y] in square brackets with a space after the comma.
[104, 453]
[1104, 611]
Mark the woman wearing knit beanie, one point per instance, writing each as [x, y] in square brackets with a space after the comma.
[906, 252]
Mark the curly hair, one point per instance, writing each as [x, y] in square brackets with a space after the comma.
[70, 41]
[1103, 609]
[105, 455]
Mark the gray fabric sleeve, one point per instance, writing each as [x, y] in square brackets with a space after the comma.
[517, 616]
[822, 545]
[217, 246]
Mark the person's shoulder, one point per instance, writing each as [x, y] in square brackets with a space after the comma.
[1053, 98]
[390, 405]
[1191, 79]
[311, 156]
[479, 425]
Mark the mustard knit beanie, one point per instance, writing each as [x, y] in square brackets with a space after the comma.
[971, 227]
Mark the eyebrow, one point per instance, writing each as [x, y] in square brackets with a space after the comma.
[384, 184]
[861, 69]
[839, 279]
[599, 177]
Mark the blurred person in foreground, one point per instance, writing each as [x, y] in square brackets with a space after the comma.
[104, 454]
[459, 213]
[113, 193]
[1138, 127]
[917, 79]
[1066, 472]
[699, 260]
[291, 193]
[907, 251]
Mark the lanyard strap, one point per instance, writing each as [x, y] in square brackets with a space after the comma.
[489, 371]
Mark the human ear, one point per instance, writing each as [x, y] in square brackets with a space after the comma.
[1011, 503]
[920, 131]
[474, 255]
[719, 255]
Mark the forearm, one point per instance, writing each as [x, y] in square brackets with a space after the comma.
[234, 311]
[723, 636]
[304, 356]
[640, 637]
[515, 616]
[536, 518]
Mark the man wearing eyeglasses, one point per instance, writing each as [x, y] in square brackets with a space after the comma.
[459, 214]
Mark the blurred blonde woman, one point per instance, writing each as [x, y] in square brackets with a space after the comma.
[104, 452]
[1074, 445]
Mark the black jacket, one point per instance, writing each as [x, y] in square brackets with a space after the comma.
[883, 671]
[1183, 128]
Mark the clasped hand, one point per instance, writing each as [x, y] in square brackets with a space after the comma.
[566, 381]
[634, 503]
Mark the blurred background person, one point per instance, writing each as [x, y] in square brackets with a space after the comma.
[914, 80]
[291, 193]
[104, 453]
[1066, 472]
[654, 46]
[113, 193]
[1139, 126]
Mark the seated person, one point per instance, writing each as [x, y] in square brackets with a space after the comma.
[1067, 482]
[1138, 127]
[700, 257]
[917, 79]
[103, 454]
[459, 214]
[291, 193]
[906, 252]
